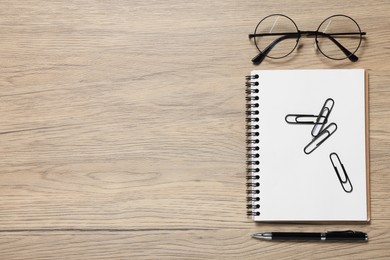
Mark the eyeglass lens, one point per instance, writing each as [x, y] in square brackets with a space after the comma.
[337, 27]
[277, 25]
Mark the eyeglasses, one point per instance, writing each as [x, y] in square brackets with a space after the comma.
[277, 36]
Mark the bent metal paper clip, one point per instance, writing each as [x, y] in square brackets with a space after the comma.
[305, 119]
[320, 138]
[344, 178]
[324, 113]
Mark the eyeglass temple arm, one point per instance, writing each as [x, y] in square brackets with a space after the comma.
[352, 57]
[261, 56]
[313, 33]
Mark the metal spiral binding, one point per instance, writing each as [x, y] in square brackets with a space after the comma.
[252, 146]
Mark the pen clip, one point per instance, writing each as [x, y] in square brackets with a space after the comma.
[344, 232]
[320, 138]
[324, 112]
[346, 235]
[344, 180]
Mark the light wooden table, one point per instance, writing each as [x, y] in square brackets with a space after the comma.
[123, 132]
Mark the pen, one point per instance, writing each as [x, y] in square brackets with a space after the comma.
[349, 235]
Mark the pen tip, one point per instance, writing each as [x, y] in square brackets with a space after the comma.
[266, 236]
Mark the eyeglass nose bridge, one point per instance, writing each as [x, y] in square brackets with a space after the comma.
[309, 34]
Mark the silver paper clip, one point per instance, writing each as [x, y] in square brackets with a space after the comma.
[320, 138]
[344, 180]
[325, 112]
[305, 119]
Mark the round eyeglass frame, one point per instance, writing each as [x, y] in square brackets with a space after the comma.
[352, 52]
[296, 27]
[316, 36]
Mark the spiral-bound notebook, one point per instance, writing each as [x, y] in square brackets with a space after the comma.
[307, 138]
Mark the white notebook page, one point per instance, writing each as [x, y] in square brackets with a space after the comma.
[295, 186]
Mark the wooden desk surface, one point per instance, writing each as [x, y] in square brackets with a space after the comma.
[123, 136]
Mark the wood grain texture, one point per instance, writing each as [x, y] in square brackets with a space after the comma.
[123, 136]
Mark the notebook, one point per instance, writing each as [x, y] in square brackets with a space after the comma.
[307, 145]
